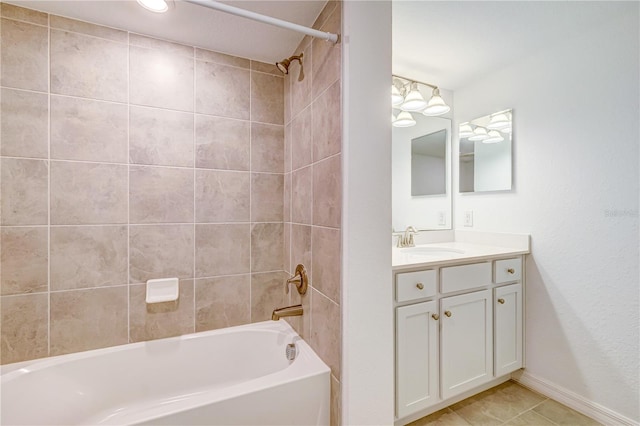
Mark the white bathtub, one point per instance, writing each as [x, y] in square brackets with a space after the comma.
[233, 376]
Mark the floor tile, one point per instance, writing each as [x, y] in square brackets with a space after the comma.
[562, 415]
[529, 418]
[445, 417]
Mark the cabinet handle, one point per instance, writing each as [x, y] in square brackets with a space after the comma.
[447, 313]
[420, 286]
[511, 271]
[501, 301]
[435, 317]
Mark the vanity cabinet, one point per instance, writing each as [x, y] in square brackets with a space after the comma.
[458, 327]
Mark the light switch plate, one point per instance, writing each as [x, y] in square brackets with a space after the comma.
[468, 218]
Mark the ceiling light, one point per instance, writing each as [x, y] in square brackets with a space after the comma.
[479, 134]
[436, 105]
[404, 119]
[499, 121]
[158, 6]
[465, 131]
[493, 137]
[414, 100]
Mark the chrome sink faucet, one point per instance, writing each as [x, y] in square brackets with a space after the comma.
[406, 239]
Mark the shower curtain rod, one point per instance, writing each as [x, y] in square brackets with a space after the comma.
[212, 4]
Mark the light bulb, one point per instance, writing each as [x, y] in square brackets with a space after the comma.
[404, 119]
[436, 105]
[414, 100]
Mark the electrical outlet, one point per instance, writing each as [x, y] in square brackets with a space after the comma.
[442, 220]
[468, 218]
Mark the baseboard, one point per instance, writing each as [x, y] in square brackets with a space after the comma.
[572, 400]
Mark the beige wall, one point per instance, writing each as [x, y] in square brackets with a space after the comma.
[126, 158]
[313, 192]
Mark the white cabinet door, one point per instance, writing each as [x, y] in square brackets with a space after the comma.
[416, 357]
[466, 342]
[508, 329]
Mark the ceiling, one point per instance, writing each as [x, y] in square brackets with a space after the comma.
[453, 43]
[196, 25]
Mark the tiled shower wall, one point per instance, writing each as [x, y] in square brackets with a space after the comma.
[313, 192]
[126, 158]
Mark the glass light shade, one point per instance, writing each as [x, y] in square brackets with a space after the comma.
[465, 131]
[158, 6]
[479, 134]
[414, 100]
[396, 96]
[404, 119]
[493, 137]
[506, 130]
[499, 121]
[436, 105]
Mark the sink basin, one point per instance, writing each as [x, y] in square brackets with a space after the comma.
[422, 250]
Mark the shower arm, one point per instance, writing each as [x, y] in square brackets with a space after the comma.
[212, 4]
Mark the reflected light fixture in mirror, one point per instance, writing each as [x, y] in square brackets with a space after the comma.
[479, 134]
[493, 137]
[406, 96]
[465, 130]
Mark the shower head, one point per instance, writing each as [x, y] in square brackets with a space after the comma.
[283, 65]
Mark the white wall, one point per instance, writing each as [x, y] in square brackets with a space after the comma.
[576, 137]
[367, 327]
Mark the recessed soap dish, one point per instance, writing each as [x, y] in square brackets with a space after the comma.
[162, 290]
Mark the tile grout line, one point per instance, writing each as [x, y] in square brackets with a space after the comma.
[193, 144]
[48, 188]
[250, 197]
[129, 190]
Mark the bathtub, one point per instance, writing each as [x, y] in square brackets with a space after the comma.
[232, 376]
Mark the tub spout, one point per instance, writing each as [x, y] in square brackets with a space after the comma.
[289, 311]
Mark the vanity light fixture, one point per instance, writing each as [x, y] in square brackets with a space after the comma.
[479, 134]
[499, 121]
[436, 105]
[397, 88]
[465, 131]
[404, 119]
[414, 100]
[493, 137]
[158, 6]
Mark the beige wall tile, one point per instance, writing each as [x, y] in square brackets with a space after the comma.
[24, 52]
[287, 198]
[88, 319]
[215, 255]
[327, 192]
[160, 251]
[84, 129]
[267, 98]
[222, 90]
[87, 28]
[22, 14]
[25, 329]
[88, 193]
[160, 137]
[160, 79]
[267, 246]
[287, 99]
[160, 195]
[267, 294]
[287, 148]
[24, 118]
[24, 187]
[326, 262]
[327, 57]
[301, 142]
[325, 331]
[160, 320]
[267, 148]
[88, 256]
[164, 45]
[88, 67]
[301, 90]
[222, 143]
[286, 252]
[221, 58]
[223, 302]
[24, 260]
[266, 68]
[222, 196]
[301, 195]
[327, 125]
[302, 324]
[335, 418]
[301, 249]
[325, 13]
[266, 197]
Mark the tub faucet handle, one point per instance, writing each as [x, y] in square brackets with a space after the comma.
[299, 279]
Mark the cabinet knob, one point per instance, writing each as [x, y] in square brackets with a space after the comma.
[435, 317]
[420, 286]
[501, 301]
[511, 271]
[447, 313]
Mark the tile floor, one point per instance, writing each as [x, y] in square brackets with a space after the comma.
[507, 404]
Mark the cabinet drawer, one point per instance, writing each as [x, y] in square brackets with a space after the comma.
[415, 285]
[465, 277]
[508, 270]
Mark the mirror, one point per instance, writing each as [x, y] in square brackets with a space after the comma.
[485, 153]
[421, 176]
